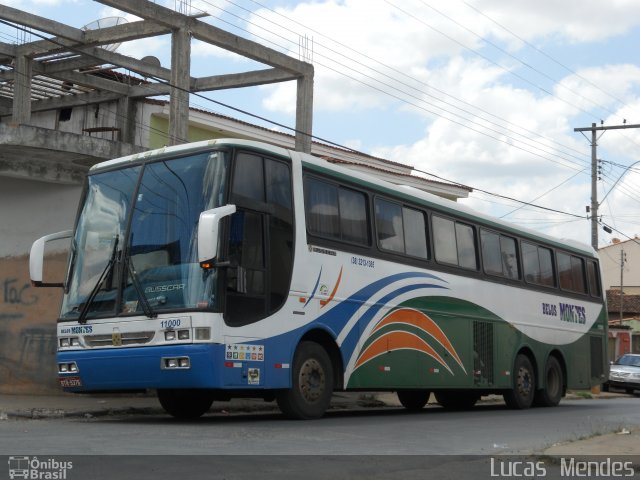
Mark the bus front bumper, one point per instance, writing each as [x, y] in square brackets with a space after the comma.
[138, 368]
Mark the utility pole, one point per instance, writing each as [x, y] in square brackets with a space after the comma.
[623, 259]
[594, 172]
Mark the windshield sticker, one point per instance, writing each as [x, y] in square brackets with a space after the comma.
[130, 306]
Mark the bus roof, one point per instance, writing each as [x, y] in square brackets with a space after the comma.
[315, 163]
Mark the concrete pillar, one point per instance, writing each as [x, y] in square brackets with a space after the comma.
[304, 113]
[180, 79]
[22, 90]
[126, 119]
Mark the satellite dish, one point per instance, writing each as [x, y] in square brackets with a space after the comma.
[105, 23]
[151, 60]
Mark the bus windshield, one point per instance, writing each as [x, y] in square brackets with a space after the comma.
[137, 236]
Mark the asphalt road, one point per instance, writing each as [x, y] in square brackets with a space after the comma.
[377, 443]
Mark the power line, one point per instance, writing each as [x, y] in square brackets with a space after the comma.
[545, 193]
[423, 92]
[159, 80]
[509, 54]
[502, 67]
[529, 44]
[404, 100]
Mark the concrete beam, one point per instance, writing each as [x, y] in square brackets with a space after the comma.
[40, 23]
[210, 34]
[93, 38]
[8, 50]
[244, 79]
[69, 101]
[27, 136]
[54, 171]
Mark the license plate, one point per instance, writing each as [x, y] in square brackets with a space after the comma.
[69, 382]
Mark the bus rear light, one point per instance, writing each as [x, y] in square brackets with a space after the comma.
[70, 367]
[203, 333]
[176, 363]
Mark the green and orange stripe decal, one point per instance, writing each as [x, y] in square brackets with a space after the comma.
[398, 335]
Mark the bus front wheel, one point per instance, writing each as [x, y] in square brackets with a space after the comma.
[186, 404]
[311, 384]
[524, 384]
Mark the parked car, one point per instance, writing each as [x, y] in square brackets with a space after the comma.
[625, 373]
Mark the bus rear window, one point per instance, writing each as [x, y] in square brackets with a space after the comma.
[594, 279]
[571, 273]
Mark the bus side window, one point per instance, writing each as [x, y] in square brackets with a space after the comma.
[594, 279]
[336, 212]
[537, 263]
[454, 243]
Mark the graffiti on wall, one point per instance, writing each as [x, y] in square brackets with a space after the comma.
[16, 293]
[27, 327]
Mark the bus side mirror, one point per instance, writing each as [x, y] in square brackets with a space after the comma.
[36, 258]
[209, 234]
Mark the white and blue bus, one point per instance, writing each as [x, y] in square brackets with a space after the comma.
[233, 268]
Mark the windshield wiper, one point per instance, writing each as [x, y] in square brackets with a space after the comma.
[146, 306]
[105, 273]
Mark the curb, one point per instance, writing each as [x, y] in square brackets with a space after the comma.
[340, 403]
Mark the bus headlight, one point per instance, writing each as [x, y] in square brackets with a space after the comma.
[66, 342]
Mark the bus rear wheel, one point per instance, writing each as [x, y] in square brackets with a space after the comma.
[186, 404]
[312, 384]
[454, 400]
[550, 395]
[413, 400]
[524, 384]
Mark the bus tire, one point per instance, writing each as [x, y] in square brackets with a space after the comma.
[550, 395]
[185, 404]
[413, 400]
[311, 384]
[454, 400]
[524, 384]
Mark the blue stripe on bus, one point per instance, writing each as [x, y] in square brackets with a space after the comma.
[313, 293]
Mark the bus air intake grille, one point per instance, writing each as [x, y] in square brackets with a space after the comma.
[483, 353]
[128, 338]
[597, 357]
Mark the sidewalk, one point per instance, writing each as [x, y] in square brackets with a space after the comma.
[89, 406]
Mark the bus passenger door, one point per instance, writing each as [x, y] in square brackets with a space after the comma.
[246, 289]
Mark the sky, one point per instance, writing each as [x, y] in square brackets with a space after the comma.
[485, 93]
